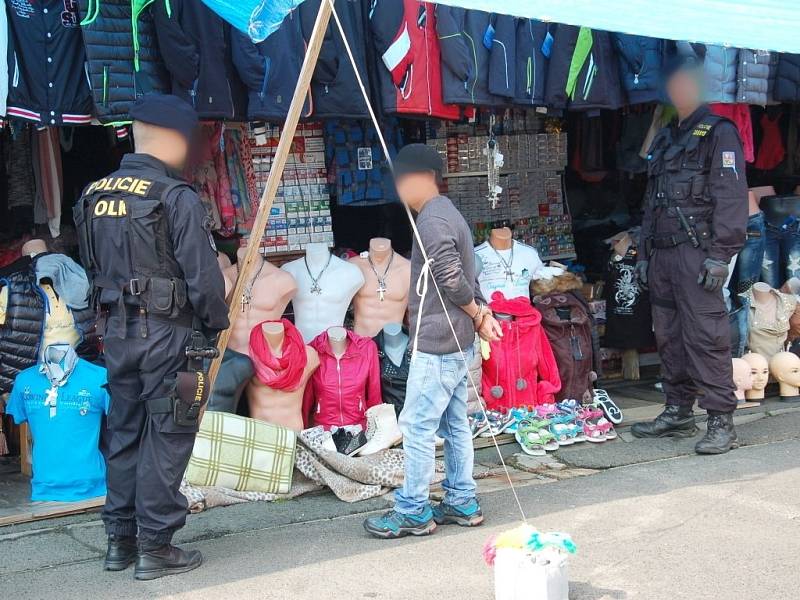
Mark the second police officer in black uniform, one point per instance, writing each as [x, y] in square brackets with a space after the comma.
[145, 241]
[694, 222]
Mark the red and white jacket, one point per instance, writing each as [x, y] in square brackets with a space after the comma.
[405, 38]
[342, 389]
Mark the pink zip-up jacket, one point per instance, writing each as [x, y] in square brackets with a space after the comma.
[341, 390]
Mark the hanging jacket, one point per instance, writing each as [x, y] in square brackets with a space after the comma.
[342, 389]
[334, 87]
[394, 378]
[270, 69]
[521, 369]
[566, 319]
[787, 78]
[469, 42]
[719, 67]
[530, 63]
[409, 69]
[21, 331]
[47, 82]
[584, 72]
[121, 67]
[3, 62]
[774, 58]
[640, 61]
[752, 77]
[195, 44]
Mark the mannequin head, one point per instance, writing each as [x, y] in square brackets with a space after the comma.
[759, 369]
[742, 377]
[380, 247]
[785, 367]
[33, 247]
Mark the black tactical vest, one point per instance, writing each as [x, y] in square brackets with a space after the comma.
[678, 169]
[155, 279]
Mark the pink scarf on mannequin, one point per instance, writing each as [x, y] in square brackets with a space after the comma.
[284, 373]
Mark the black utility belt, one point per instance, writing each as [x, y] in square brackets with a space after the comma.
[676, 239]
[135, 312]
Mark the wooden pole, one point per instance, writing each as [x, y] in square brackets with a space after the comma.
[274, 180]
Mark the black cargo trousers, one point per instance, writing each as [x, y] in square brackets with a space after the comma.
[692, 331]
[146, 454]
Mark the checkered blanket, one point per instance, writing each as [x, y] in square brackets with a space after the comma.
[242, 454]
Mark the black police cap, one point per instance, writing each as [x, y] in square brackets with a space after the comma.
[417, 158]
[165, 110]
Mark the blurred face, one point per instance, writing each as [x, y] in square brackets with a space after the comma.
[684, 91]
[167, 145]
[414, 189]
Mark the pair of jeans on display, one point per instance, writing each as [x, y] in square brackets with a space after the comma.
[781, 253]
[436, 403]
[739, 315]
[751, 257]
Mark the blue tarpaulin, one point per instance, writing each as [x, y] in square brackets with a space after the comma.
[756, 24]
[256, 18]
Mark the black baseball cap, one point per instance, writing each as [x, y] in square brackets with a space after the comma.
[168, 111]
[417, 158]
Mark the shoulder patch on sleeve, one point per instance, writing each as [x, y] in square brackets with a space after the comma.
[729, 160]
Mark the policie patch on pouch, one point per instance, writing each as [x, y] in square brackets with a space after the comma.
[729, 160]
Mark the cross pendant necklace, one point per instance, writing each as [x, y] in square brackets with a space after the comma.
[507, 270]
[315, 287]
[247, 294]
[382, 289]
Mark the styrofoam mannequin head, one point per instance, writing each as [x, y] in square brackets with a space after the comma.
[759, 369]
[742, 375]
[785, 367]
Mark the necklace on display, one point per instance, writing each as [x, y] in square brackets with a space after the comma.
[247, 294]
[382, 289]
[315, 287]
[509, 273]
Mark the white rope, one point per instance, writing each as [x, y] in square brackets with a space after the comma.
[427, 260]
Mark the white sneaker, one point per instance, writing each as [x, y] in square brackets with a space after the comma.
[385, 431]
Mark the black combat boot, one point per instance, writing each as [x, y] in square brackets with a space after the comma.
[720, 437]
[155, 562]
[675, 421]
[121, 553]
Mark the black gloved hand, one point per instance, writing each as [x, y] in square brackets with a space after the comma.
[713, 274]
[640, 272]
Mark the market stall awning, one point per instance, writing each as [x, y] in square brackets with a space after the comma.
[756, 24]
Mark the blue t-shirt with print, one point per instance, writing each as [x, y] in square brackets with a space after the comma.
[67, 463]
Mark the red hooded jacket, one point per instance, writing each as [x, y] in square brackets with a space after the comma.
[405, 38]
[523, 353]
[341, 390]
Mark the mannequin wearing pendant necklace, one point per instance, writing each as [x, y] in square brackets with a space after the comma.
[508, 265]
[264, 298]
[326, 285]
[384, 297]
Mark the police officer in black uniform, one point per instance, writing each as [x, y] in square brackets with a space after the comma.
[145, 241]
[694, 222]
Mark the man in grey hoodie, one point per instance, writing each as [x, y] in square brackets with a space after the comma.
[442, 331]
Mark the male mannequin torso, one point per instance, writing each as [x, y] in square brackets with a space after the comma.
[375, 304]
[326, 285]
[275, 406]
[272, 290]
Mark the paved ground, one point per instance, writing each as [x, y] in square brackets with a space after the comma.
[685, 527]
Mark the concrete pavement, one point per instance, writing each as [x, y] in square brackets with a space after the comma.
[725, 527]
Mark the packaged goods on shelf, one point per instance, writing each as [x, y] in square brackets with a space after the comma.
[300, 213]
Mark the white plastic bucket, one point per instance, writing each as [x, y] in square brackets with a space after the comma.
[520, 575]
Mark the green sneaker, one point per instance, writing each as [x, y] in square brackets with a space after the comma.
[465, 515]
[393, 524]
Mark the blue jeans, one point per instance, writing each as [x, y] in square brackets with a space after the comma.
[739, 315]
[781, 255]
[751, 256]
[436, 402]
